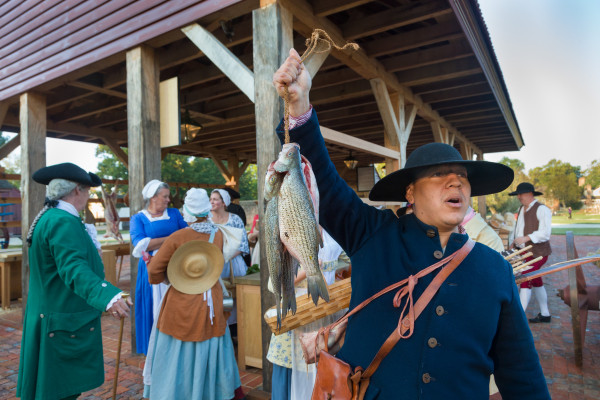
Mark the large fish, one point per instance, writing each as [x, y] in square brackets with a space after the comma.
[110, 214]
[298, 227]
[273, 246]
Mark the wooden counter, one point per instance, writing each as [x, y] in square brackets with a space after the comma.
[249, 321]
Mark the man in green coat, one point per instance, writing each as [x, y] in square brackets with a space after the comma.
[61, 348]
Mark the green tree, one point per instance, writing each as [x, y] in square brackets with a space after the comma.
[178, 168]
[502, 202]
[592, 174]
[559, 182]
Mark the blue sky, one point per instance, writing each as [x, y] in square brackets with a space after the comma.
[549, 53]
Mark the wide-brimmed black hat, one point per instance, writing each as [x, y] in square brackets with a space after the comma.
[525, 187]
[485, 177]
[68, 171]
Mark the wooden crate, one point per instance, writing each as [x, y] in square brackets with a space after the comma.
[307, 312]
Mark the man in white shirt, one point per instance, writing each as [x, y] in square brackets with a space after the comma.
[534, 227]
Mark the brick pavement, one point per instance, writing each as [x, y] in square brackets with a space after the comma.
[553, 341]
[130, 384]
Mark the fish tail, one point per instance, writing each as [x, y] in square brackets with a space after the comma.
[289, 303]
[317, 287]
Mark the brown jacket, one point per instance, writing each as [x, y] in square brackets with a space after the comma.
[186, 316]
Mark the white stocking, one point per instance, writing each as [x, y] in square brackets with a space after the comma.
[525, 295]
[542, 299]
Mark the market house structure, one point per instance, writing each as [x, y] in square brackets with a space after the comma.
[90, 71]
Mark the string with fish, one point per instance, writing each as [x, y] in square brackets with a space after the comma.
[292, 233]
[110, 214]
[319, 42]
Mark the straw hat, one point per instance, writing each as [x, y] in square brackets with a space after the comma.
[195, 267]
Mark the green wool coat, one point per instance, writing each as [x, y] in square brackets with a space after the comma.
[61, 347]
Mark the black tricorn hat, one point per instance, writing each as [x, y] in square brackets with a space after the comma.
[485, 177]
[525, 187]
[68, 171]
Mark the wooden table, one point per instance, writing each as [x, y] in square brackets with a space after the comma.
[249, 321]
[10, 269]
[10, 272]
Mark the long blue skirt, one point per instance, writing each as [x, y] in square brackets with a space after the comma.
[193, 370]
[143, 309]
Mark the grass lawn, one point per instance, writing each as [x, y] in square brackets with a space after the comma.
[577, 231]
[577, 219]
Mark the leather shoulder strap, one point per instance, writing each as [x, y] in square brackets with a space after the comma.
[423, 301]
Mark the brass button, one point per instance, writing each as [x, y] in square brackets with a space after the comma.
[41, 315]
[439, 310]
[51, 334]
[438, 254]
[430, 233]
[426, 378]
[432, 342]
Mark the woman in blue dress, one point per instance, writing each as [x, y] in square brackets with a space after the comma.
[149, 229]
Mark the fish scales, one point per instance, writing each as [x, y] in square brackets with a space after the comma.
[298, 227]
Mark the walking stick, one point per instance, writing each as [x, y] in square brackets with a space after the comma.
[114, 396]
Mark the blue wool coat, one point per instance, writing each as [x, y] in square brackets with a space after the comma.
[473, 327]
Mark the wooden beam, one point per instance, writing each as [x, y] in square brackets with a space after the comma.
[365, 66]
[441, 134]
[10, 146]
[121, 155]
[97, 89]
[222, 168]
[394, 18]
[223, 58]
[273, 38]
[324, 8]
[3, 111]
[143, 133]
[32, 117]
[481, 204]
[466, 151]
[314, 62]
[351, 142]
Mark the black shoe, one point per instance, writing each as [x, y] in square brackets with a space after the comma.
[540, 318]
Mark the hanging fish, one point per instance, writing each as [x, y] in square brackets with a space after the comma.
[298, 226]
[110, 214]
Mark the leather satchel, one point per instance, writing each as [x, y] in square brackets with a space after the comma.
[336, 379]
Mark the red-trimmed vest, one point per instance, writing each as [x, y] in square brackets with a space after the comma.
[532, 224]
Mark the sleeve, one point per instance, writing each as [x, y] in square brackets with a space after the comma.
[137, 231]
[341, 212]
[517, 368]
[69, 246]
[180, 221]
[491, 239]
[544, 216]
[236, 222]
[157, 267]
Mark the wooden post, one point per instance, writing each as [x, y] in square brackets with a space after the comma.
[32, 117]
[578, 335]
[272, 39]
[143, 136]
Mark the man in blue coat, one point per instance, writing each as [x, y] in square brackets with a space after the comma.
[474, 326]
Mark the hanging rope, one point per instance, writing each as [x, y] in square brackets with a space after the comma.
[319, 42]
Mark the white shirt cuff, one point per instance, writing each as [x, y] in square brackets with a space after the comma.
[114, 300]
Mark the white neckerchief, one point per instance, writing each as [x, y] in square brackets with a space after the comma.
[165, 215]
[90, 229]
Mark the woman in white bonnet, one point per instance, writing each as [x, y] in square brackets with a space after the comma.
[149, 229]
[191, 355]
[219, 200]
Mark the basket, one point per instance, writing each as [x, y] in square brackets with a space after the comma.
[307, 312]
